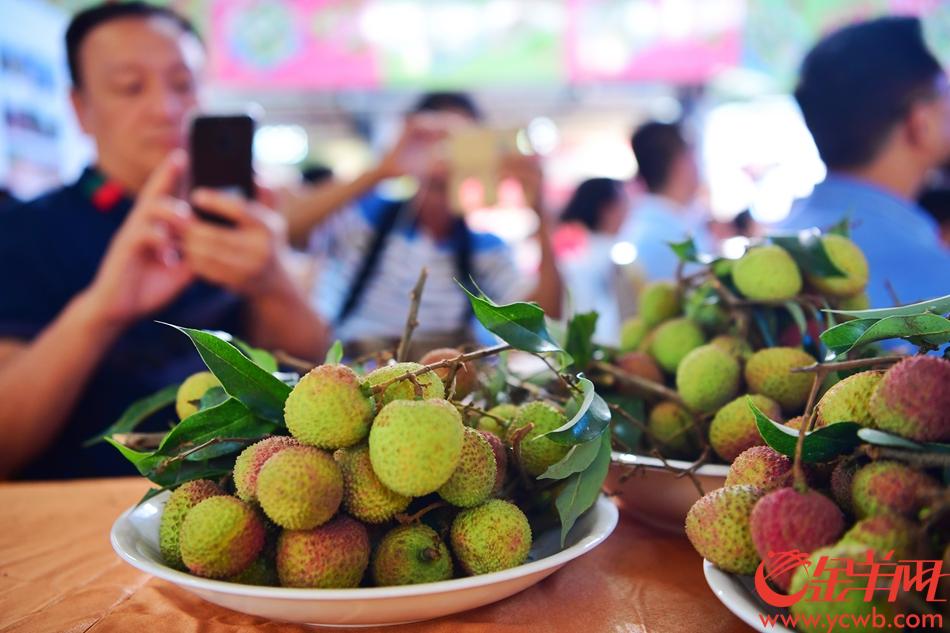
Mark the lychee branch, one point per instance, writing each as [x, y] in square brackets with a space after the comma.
[468, 408]
[922, 459]
[858, 363]
[405, 519]
[412, 322]
[215, 440]
[447, 363]
[640, 383]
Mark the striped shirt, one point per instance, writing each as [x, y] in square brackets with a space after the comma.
[343, 242]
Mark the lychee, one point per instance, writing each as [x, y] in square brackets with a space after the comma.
[501, 459]
[762, 467]
[640, 365]
[221, 537]
[848, 258]
[675, 339]
[248, 464]
[364, 495]
[409, 555]
[490, 424]
[465, 378]
[657, 302]
[328, 408]
[334, 555]
[191, 391]
[429, 382]
[300, 487]
[632, 332]
[913, 399]
[736, 347]
[733, 429]
[474, 477]
[537, 453]
[672, 428]
[768, 372]
[707, 378]
[847, 400]
[888, 486]
[491, 537]
[885, 533]
[718, 527]
[842, 477]
[767, 273]
[180, 502]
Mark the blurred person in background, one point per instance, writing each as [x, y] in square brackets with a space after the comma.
[376, 247]
[935, 200]
[668, 172]
[584, 243]
[877, 103]
[91, 266]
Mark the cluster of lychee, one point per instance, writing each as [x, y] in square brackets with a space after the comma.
[326, 506]
[842, 509]
[682, 339]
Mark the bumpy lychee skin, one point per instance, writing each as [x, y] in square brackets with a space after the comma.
[430, 382]
[328, 408]
[887, 486]
[180, 502]
[860, 301]
[673, 341]
[248, 464]
[795, 423]
[768, 372]
[332, 556]
[762, 467]
[913, 399]
[364, 495]
[501, 460]
[221, 537]
[537, 453]
[410, 555]
[736, 347]
[671, 427]
[885, 533]
[842, 477]
[300, 488]
[657, 302]
[847, 400]
[767, 273]
[505, 412]
[474, 477]
[733, 429]
[415, 445]
[191, 391]
[465, 378]
[491, 537]
[786, 520]
[641, 365]
[632, 333]
[262, 572]
[718, 527]
[708, 378]
[848, 258]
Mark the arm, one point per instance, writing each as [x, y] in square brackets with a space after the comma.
[311, 210]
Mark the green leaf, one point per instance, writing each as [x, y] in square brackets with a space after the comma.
[143, 462]
[334, 354]
[930, 328]
[806, 249]
[842, 227]
[261, 392]
[577, 460]
[591, 416]
[623, 430]
[137, 413]
[880, 438]
[687, 251]
[580, 338]
[229, 419]
[262, 358]
[583, 488]
[821, 445]
[212, 397]
[169, 474]
[940, 305]
[521, 324]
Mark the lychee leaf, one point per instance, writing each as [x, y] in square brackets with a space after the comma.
[821, 445]
[138, 412]
[809, 253]
[212, 398]
[520, 324]
[842, 227]
[627, 434]
[925, 328]
[580, 338]
[143, 461]
[334, 354]
[255, 387]
[687, 251]
[880, 438]
[590, 415]
[583, 488]
[940, 305]
[577, 460]
[230, 419]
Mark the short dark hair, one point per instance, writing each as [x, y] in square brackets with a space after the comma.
[656, 146]
[443, 101]
[856, 84]
[86, 21]
[587, 204]
[316, 174]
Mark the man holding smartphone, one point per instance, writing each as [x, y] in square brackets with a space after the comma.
[87, 269]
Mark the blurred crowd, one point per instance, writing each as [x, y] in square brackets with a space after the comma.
[90, 268]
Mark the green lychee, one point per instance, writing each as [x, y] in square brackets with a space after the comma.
[415, 445]
[501, 459]
[184, 498]
[491, 537]
[848, 258]
[332, 556]
[474, 477]
[888, 486]
[913, 399]
[707, 378]
[632, 332]
[733, 429]
[505, 412]
[885, 533]
[410, 555]
[248, 464]
[673, 341]
[328, 408]
[718, 527]
[221, 537]
[191, 391]
[672, 428]
[466, 379]
[538, 453]
[736, 347]
[657, 302]
[847, 400]
[429, 382]
[364, 495]
[300, 487]
[262, 573]
[767, 273]
[860, 301]
[768, 372]
[760, 466]
[842, 477]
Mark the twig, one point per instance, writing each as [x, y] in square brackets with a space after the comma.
[571, 387]
[450, 381]
[215, 440]
[449, 362]
[139, 440]
[891, 292]
[641, 383]
[412, 322]
[857, 363]
[403, 518]
[798, 470]
[416, 386]
[917, 458]
[515, 440]
[293, 362]
[467, 408]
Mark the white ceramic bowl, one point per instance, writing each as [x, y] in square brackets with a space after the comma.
[135, 539]
[737, 593]
[654, 495]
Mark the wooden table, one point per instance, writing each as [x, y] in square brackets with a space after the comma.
[59, 573]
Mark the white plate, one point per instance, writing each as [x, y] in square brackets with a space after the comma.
[654, 495]
[135, 539]
[738, 594]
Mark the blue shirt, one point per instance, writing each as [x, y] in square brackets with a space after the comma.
[898, 238]
[653, 223]
[50, 250]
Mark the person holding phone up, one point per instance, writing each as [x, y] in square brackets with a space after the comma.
[87, 269]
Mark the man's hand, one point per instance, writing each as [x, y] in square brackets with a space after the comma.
[142, 271]
[416, 146]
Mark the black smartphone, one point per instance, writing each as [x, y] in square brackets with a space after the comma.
[221, 154]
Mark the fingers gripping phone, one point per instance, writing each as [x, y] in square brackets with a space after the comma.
[221, 157]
